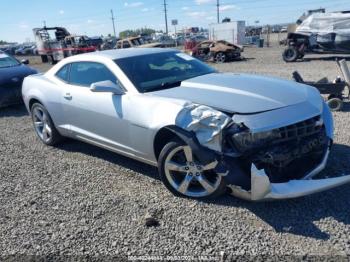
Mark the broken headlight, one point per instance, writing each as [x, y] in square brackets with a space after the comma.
[246, 140]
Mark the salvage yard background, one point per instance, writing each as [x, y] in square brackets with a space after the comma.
[76, 199]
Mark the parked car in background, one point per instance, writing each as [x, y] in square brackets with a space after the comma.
[109, 43]
[95, 41]
[146, 38]
[26, 50]
[217, 51]
[180, 40]
[284, 29]
[135, 42]
[199, 38]
[166, 40]
[9, 48]
[12, 73]
[78, 44]
[262, 137]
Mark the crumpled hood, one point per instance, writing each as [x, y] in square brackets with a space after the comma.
[243, 93]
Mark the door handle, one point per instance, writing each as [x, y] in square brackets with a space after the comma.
[68, 96]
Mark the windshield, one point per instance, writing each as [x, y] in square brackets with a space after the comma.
[7, 61]
[162, 70]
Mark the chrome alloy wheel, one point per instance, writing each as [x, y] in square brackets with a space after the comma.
[189, 177]
[220, 57]
[42, 124]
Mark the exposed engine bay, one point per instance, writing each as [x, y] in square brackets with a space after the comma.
[290, 151]
[260, 165]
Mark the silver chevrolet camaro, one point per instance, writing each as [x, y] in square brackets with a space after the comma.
[207, 132]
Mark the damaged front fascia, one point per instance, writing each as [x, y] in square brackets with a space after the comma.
[263, 189]
[201, 128]
[207, 123]
[204, 155]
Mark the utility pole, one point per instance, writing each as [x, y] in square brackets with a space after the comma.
[113, 23]
[218, 10]
[44, 22]
[166, 17]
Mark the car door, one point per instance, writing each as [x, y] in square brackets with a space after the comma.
[94, 117]
[11, 78]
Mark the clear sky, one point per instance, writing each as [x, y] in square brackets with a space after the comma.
[93, 17]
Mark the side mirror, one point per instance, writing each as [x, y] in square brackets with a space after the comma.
[106, 87]
[25, 61]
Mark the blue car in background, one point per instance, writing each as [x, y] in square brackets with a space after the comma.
[12, 73]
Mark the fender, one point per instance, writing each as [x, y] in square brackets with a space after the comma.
[203, 154]
[228, 166]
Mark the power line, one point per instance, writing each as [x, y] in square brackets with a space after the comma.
[218, 10]
[113, 23]
[166, 17]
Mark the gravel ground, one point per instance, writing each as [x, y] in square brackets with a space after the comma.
[81, 201]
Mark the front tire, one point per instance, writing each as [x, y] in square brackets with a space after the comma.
[43, 125]
[220, 57]
[290, 54]
[183, 174]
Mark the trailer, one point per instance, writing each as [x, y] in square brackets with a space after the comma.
[56, 43]
[334, 90]
[232, 32]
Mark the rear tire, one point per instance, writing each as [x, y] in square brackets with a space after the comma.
[184, 176]
[290, 54]
[335, 104]
[43, 125]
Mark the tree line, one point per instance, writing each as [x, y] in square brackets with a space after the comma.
[137, 32]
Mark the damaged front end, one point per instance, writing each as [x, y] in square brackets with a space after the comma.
[258, 164]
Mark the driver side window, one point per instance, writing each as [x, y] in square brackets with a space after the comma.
[87, 73]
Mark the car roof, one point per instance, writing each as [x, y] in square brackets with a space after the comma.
[126, 52]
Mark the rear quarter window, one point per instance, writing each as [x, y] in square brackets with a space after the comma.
[63, 73]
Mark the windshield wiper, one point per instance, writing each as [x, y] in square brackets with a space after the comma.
[164, 85]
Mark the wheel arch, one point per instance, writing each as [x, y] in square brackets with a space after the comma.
[167, 133]
[162, 137]
[203, 157]
[32, 101]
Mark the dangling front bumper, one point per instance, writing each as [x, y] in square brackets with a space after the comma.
[263, 189]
